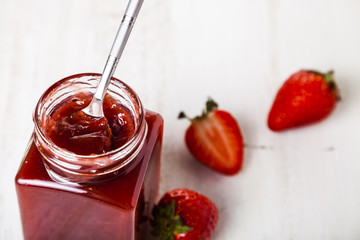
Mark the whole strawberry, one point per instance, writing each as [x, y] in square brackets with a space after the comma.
[215, 139]
[305, 97]
[183, 214]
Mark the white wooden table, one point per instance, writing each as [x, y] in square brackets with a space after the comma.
[300, 184]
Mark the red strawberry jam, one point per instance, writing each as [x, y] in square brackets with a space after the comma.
[83, 134]
[99, 182]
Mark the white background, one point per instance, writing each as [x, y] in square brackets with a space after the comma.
[299, 184]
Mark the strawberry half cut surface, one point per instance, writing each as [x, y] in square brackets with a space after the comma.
[215, 139]
[183, 214]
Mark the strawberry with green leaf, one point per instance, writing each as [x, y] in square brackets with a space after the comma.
[305, 97]
[215, 139]
[183, 214]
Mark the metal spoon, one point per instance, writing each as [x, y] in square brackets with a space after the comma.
[95, 108]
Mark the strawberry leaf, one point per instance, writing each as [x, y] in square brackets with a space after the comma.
[180, 227]
[182, 115]
[211, 105]
[165, 223]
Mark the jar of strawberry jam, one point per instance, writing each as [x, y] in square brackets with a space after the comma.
[69, 187]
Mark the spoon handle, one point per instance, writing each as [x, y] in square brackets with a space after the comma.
[117, 48]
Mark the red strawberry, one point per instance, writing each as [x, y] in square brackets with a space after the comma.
[306, 97]
[215, 139]
[183, 214]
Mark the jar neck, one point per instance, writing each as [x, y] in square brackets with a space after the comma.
[68, 167]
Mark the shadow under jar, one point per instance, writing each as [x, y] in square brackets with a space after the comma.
[64, 195]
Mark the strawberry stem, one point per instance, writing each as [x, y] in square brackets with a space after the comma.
[329, 79]
[210, 106]
[329, 76]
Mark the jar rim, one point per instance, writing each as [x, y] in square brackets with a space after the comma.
[105, 161]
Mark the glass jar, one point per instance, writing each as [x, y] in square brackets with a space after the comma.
[63, 195]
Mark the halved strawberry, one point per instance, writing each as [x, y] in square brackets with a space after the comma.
[215, 139]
